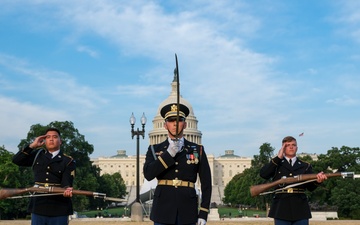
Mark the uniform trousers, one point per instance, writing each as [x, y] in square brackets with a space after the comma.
[37, 219]
[178, 222]
[287, 222]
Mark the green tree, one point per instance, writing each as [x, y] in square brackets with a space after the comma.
[265, 154]
[237, 190]
[342, 193]
[7, 169]
[11, 176]
[231, 191]
[113, 185]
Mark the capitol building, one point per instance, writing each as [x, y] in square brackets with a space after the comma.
[223, 168]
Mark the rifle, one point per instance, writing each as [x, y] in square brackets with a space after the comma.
[13, 192]
[258, 189]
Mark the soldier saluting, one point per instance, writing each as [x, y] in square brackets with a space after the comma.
[290, 206]
[176, 163]
[51, 168]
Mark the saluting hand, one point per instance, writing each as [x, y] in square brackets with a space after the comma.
[282, 150]
[38, 142]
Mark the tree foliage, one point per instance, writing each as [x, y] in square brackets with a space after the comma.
[237, 191]
[12, 176]
[343, 193]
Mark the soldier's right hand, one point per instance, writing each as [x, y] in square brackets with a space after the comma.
[282, 151]
[38, 142]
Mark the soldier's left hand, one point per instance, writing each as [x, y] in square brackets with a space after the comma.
[321, 177]
[68, 192]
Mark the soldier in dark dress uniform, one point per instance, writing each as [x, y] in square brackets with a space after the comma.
[290, 206]
[51, 168]
[176, 165]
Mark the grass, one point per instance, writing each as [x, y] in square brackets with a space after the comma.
[224, 211]
[109, 212]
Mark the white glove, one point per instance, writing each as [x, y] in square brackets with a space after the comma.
[201, 221]
[173, 148]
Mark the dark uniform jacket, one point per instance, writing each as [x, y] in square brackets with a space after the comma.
[289, 206]
[172, 202]
[58, 171]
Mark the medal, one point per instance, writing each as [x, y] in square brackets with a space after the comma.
[192, 158]
[188, 158]
[196, 157]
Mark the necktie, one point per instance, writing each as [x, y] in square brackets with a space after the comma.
[290, 161]
[177, 145]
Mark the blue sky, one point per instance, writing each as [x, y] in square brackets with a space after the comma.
[254, 71]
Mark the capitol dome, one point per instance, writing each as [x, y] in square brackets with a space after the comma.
[159, 133]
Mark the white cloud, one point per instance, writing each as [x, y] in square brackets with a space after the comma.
[59, 85]
[17, 117]
[344, 101]
[87, 50]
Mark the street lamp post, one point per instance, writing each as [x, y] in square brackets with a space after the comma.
[136, 209]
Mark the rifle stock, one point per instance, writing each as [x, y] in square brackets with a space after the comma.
[10, 192]
[257, 189]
